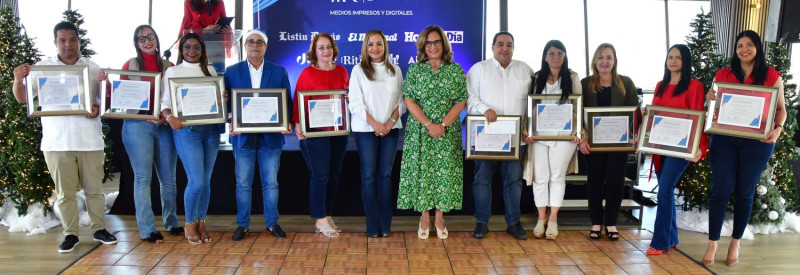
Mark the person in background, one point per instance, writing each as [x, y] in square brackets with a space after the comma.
[498, 86]
[262, 148]
[431, 174]
[72, 145]
[197, 18]
[605, 88]
[678, 90]
[552, 160]
[376, 104]
[324, 155]
[197, 146]
[737, 163]
[149, 144]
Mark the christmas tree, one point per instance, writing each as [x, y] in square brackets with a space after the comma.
[24, 178]
[769, 206]
[779, 59]
[74, 17]
[695, 183]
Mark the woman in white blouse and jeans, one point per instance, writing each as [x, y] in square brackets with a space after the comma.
[376, 103]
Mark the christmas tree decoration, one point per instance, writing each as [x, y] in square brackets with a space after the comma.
[779, 59]
[74, 17]
[761, 190]
[773, 215]
[24, 178]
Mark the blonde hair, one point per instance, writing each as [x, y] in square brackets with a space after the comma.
[366, 63]
[594, 81]
[447, 52]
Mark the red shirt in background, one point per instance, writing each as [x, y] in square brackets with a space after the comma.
[197, 20]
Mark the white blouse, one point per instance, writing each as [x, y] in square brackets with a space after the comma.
[379, 97]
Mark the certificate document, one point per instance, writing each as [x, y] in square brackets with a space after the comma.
[201, 100]
[741, 110]
[59, 90]
[610, 129]
[130, 94]
[324, 113]
[554, 117]
[491, 142]
[505, 127]
[259, 110]
[670, 131]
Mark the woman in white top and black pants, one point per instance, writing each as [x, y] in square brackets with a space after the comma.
[376, 103]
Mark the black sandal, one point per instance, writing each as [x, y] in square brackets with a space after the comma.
[596, 234]
[612, 236]
[176, 231]
[155, 237]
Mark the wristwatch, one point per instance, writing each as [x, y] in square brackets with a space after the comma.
[393, 120]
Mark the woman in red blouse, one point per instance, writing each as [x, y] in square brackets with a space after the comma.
[196, 16]
[324, 155]
[737, 163]
[677, 89]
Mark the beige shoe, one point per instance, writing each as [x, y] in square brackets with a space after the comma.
[538, 230]
[552, 230]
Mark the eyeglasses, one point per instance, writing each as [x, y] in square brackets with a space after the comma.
[149, 37]
[255, 43]
[554, 54]
[197, 47]
[433, 43]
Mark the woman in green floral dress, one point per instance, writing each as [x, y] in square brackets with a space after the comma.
[431, 174]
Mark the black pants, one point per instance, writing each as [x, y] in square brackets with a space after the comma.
[605, 169]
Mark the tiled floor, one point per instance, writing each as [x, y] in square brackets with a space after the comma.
[401, 253]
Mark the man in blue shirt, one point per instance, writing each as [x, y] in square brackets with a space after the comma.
[265, 148]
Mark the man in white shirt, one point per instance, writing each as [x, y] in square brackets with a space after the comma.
[498, 86]
[72, 145]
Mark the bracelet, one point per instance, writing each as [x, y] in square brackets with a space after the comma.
[444, 125]
[426, 124]
[166, 117]
[779, 126]
[393, 120]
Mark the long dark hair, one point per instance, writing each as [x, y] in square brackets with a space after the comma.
[760, 65]
[198, 5]
[564, 74]
[686, 71]
[139, 59]
[203, 56]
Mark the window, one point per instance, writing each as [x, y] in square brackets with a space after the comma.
[113, 42]
[39, 17]
[533, 23]
[681, 14]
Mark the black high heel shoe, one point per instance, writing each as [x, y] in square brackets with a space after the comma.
[612, 236]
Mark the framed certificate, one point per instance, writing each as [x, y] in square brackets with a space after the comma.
[259, 110]
[323, 113]
[59, 90]
[611, 129]
[499, 140]
[742, 110]
[126, 95]
[671, 131]
[198, 100]
[548, 120]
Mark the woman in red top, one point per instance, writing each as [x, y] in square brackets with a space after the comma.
[196, 16]
[737, 163]
[149, 144]
[677, 89]
[324, 155]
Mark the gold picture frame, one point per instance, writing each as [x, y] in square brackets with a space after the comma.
[333, 122]
[503, 145]
[742, 98]
[154, 104]
[535, 108]
[78, 98]
[606, 117]
[217, 113]
[671, 123]
[241, 98]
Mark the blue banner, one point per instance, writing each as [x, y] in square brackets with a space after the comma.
[290, 25]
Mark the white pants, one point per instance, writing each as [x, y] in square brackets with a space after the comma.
[551, 159]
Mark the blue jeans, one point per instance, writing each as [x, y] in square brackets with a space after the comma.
[197, 147]
[736, 164]
[268, 157]
[148, 144]
[377, 159]
[324, 157]
[665, 229]
[511, 171]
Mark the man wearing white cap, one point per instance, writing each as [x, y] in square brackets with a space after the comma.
[264, 148]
